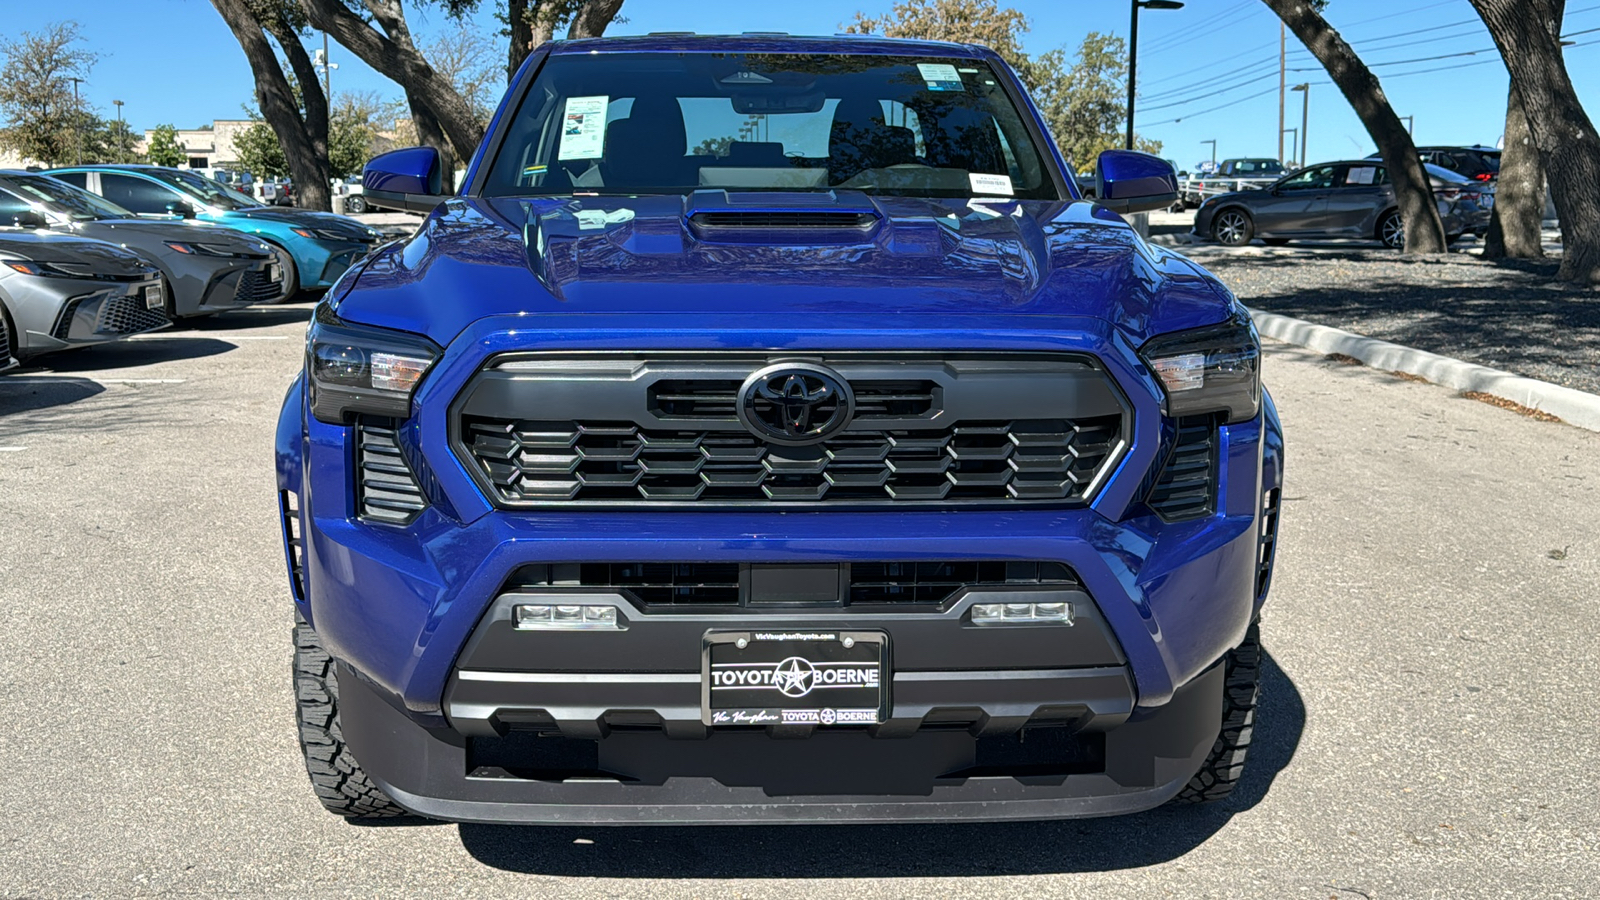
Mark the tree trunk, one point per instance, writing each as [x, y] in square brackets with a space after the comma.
[307, 166]
[392, 19]
[1514, 230]
[1412, 188]
[402, 65]
[1566, 139]
[429, 134]
[316, 193]
[517, 16]
[592, 19]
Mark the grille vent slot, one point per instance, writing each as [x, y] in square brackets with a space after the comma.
[715, 399]
[128, 315]
[775, 220]
[1187, 486]
[1269, 540]
[387, 489]
[289, 508]
[917, 583]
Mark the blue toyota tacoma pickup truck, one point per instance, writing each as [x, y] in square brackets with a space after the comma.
[767, 432]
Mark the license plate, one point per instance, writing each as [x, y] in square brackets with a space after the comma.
[153, 297]
[274, 272]
[824, 678]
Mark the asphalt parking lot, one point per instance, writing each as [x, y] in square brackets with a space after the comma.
[1427, 727]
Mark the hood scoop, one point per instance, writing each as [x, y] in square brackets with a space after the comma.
[829, 217]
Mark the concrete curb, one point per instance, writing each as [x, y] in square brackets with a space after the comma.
[1571, 406]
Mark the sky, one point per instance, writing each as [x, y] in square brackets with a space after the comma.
[1206, 72]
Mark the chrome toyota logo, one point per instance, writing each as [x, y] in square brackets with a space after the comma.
[795, 403]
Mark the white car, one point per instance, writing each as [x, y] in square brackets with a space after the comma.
[350, 189]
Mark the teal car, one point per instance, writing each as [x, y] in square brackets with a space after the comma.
[316, 247]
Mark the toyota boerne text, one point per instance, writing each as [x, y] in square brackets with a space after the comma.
[766, 431]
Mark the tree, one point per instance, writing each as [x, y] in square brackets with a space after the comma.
[467, 59]
[1085, 103]
[44, 119]
[1413, 191]
[163, 149]
[298, 112]
[353, 133]
[114, 142]
[259, 153]
[1527, 35]
[532, 22]
[1515, 227]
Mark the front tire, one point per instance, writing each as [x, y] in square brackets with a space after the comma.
[1241, 690]
[291, 274]
[1233, 228]
[336, 777]
[1392, 230]
[355, 204]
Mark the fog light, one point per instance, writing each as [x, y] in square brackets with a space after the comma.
[986, 612]
[565, 616]
[1022, 614]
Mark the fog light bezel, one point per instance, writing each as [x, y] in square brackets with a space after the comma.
[567, 617]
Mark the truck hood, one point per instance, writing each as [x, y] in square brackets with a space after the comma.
[791, 261]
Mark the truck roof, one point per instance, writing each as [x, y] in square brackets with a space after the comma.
[769, 42]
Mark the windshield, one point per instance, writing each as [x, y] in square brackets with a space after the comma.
[656, 123]
[64, 199]
[1258, 167]
[213, 193]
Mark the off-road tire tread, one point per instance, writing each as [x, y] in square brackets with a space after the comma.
[337, 778]
[1242, 688]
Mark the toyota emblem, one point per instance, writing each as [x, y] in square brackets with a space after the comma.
[796, 403]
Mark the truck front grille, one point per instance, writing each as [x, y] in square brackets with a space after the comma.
[1051, 460]
[698, 584]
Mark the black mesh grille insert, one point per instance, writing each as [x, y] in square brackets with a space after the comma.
[1187, 486]
[128, 315]
[918, 583]
[1048, 460]
[386, 489]
[681, 398]
[255, 288]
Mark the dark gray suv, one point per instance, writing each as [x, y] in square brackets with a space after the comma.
[1351, 199]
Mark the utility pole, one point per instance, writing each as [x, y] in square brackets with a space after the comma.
[1283, 54]
[77, 121]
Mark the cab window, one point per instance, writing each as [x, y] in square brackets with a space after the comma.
[1319, 178]
[136, 194]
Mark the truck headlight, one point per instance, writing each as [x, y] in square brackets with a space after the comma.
[1212, 369]
[355, 369]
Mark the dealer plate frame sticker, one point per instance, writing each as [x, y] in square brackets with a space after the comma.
[820, 677]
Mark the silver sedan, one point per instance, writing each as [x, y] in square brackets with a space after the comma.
[208, 268]
[58, 292]
[1351, 199]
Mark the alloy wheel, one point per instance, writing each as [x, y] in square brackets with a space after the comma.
[1231, 228]
[1393, 231]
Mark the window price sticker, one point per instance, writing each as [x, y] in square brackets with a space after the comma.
[990, 185]
[583, 128]
[940, 76]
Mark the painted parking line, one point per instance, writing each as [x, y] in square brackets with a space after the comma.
[12, 449]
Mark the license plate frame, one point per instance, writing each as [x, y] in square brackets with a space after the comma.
[274, 272]
[824, 677]
[154, 297]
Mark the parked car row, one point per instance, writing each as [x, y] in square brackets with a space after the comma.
[90, 254]
[1348, 198]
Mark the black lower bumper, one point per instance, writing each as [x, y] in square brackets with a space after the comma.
[1080, 751]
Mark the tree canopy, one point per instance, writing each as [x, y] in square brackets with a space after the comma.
[43, 118]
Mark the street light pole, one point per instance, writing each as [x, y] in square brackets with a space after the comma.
[77, 121]
[1305, 106]
[1213, 143]
[1133, 49]
[1409, 122]
[118, 105]
[1294, 148]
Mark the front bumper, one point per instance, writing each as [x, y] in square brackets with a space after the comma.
[1135, 681]
[60, 313]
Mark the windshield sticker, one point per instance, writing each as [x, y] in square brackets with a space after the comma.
[990, 184]
[583, 128]
[940, 76]
[1360, 175]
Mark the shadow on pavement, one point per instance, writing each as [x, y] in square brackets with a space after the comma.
[851, 851]
[27, 394]
[128, 354]
[252, 317]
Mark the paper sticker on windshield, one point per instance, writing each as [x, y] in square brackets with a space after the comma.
[990, 184]
[583, 128]
[1360, 175]
[940, 76]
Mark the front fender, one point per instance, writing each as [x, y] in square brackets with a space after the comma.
[289, 445]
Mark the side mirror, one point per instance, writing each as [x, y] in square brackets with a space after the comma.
[1127, 181]
[181, 209]
[30, 219]
[411, 180]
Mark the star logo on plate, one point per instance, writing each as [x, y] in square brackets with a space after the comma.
[794, 677]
